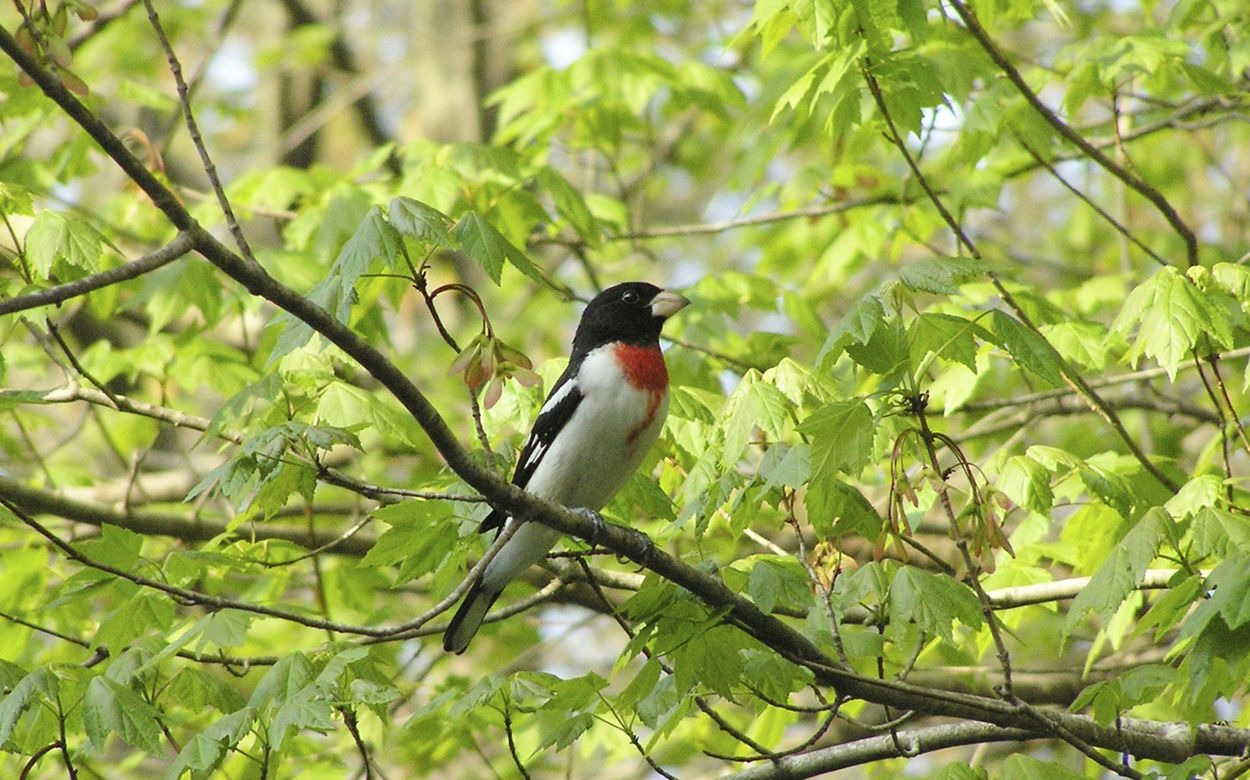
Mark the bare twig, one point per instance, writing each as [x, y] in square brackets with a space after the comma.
[193, 130]
[135, 268]
[1131, 179]
[1099, 210]
[507, 727]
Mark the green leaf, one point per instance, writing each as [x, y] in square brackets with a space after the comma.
[713, 658]
[141, 614]
[862, 320]
[835, 507]
[1027, 482]
[1084, 343]
[566, 730]
[423, 222]
[572, 206]
[1110, 488]
[841, 435]
[62, 236]
[1172, 317]
[290, 675]
[754, 403]
[778, 580]
[421, 536]
[41, 683]
[942, 275]
[934, 601]
[308, 709]
[489, 248]
[887, 352]
[1121, 572]
[1201, 492]
[641, 686]
[113, 708]
[1230, 597]
[947, 336]
[1028, 348]
[202, 754]
[375, 239]
[1220, 532]
[115, 546]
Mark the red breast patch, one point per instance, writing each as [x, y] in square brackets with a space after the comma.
[644, 366]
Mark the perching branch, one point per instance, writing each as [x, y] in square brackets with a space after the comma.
[1163, 741]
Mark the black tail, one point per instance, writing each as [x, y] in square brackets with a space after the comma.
[468, 619]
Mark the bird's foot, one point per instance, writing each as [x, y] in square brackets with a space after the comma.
[596, 520]
[644, 548]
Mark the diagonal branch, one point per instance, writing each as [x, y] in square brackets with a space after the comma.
[1164, 741]
[1070, 374]
[1076, 139]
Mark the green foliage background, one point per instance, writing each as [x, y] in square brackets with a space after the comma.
[959, 398]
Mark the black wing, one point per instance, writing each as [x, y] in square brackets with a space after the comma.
[551, 420]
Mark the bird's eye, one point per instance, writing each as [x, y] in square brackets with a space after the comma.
[630, 297]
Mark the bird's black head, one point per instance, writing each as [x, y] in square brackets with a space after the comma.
[632, 312]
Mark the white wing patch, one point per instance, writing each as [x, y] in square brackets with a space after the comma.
[557, 396]
[537, 454]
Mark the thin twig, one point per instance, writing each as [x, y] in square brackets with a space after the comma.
[1099, 210]
[507, 727]
[193, 130]
[73, 360]
[1214, 360]
[349, 720]
[175, 249]
[1151, 194]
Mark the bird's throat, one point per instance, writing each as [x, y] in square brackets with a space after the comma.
[644, 366]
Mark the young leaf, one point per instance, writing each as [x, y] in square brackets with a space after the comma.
[202, 754]
[570, 205]
[1027, 482]
[934, 601]
[489, 248]
[62, 236]
[111, 707]
[1121, 572]
[1171, 316]
[754, 403]
[25, 693]
[776, 580]
[1028, 348]
[841, 435]
[942, 275]
[426, 223]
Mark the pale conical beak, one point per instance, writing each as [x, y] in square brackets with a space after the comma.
[667, 303]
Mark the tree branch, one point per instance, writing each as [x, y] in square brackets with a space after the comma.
[1161, 203]
[134, 269]
[176, 525]
[1164, 741]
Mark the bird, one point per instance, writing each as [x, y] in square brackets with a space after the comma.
[597, 424]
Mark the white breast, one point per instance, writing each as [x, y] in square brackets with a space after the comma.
[599, 448]
[605, 440]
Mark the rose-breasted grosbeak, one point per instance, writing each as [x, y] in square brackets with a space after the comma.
[603, 414]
